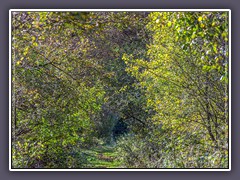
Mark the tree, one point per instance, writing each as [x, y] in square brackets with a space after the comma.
[184, 84]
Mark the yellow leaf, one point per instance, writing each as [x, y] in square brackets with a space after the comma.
[35, 44]
[169, 23]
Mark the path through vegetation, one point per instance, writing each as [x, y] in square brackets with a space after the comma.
[157, 83]
[103, 157]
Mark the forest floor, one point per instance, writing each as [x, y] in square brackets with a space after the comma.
[103, 157]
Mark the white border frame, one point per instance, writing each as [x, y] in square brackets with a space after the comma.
[108, 10]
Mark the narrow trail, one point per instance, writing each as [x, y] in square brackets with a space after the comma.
[102, 157]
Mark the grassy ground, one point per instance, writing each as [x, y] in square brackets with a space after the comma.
[102, 157]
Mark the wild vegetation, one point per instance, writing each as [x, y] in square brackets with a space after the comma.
[120, 89]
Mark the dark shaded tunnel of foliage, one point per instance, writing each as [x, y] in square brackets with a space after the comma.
[120, 89]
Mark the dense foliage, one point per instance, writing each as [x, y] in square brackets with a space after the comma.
[153, 86]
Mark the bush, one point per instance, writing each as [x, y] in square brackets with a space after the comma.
[166, 151]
